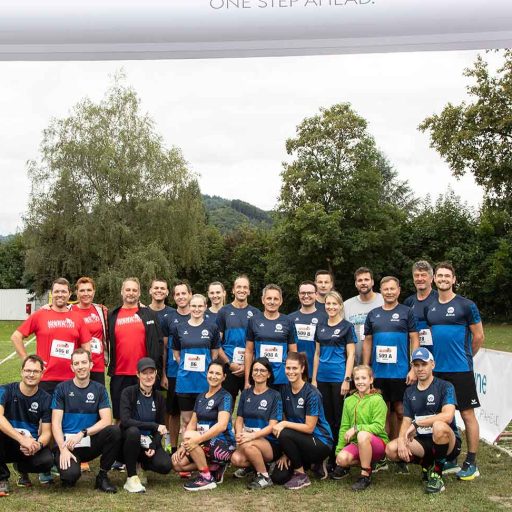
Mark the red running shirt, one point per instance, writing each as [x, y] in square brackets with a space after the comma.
[92, 320]
[58, 334]
[130, 336]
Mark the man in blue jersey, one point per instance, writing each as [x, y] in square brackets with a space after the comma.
[232, 320]
[422, 275]
[25, 426]
[390, 333]
[82, 425]
[324, 281]
[428, 435]
[270, 335]
[357, 307]
[306, 320]
[457, 335]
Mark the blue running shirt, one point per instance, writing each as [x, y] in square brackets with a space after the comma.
[172, 319]
[419, 308]
[207, 413]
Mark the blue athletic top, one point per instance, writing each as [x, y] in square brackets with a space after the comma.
[195, 344]
[172, 319]
[451, 334]
[271, 339]
[232, 324]
[428, 402]
[333, 341]
[162, 316]
[305, 328]
[390, 330]
[418, 308]
[145, 411]
[258, 410]
[210, 316]
[207, 412]
[307, 402]
[25, 412]
[81, 406]
[320, 306]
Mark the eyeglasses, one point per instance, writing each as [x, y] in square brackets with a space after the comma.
[303, 294]
[259, 370]
[32, 372]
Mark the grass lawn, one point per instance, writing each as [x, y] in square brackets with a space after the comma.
[389, 492]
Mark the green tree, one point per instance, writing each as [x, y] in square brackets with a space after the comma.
[110, 200]
[12, 256]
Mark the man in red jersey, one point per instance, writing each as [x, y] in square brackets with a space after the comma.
[59, 332]
[95, 317]
[134, 333]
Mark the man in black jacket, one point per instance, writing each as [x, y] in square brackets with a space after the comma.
[143, 425]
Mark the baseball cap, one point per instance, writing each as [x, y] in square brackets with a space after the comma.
[145, 363]
[422, 354]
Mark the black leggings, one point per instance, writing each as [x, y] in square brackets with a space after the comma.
[302, 449]
[132, 453]
[105, 443]
[333, 408]
[40, 462]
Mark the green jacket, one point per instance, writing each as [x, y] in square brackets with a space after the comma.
[367, 414]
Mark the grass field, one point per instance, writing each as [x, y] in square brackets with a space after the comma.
[389, 492]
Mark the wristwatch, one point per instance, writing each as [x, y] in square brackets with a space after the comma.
[348, 379]
[84, 432]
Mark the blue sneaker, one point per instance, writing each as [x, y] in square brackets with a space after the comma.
[450, 467]
[45, 478]
[468, 472]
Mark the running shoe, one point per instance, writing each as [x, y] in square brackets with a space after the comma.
[260, 482]
[22, 479]
[424, 474]
[297, 481]
[435, 483]
[243, 472]
[133, 484]
[468, 472]
[320, 470]
[201, 483]
[451, 467]
[362, 483]
[118, 466]
[401, 468]
[45, 478]
[4, 488]
[217, 471]
[84, 467]
[339, 473]
[380, 465]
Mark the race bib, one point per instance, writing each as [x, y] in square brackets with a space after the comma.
[360, 332]
[386, 354]
[23, 432]
[305, 332]
[62, 349]
[194, 362]
[96, 346]
[250, 430]
[239, 355]
[203, 427]
[424, 430]
[425, 337]
[145, 442]
[274, 353]
[84, 443]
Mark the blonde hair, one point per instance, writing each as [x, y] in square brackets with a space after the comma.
[369, 370]
[339, 299]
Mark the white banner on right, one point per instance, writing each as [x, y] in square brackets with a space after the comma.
[493, 376]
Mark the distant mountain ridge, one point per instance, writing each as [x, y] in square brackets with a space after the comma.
[229, 214]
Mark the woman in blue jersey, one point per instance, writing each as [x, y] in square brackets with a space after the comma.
[195, 343]
[217, 296]
[305, 436]
[259, 410]
[333, 363]
[209, 436]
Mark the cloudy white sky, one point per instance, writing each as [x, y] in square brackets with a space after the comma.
[231, 117]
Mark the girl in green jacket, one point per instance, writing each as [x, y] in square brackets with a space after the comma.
[363, 437]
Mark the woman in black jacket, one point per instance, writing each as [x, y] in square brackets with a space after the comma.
[142, 411]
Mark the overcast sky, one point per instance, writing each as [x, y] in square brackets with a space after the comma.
[231, 117]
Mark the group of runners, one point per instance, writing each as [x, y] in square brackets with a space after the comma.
[332, 385]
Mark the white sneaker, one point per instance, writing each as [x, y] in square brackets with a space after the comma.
[133, 484]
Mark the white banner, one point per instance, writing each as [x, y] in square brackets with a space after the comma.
[152, 29]
[493, 376]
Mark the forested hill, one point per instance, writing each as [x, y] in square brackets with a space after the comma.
[228, 214]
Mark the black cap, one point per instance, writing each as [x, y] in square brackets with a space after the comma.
[145, 363]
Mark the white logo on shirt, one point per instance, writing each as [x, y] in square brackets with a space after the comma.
[249, 314]
[395, 317]
[34, 406]
[336, 332]
[430, 398]
[279, 327]
[314, 320]
[450, 311]
[57, 324]
[232, 313]
[204, 332]
[300, 401]
[211, 402]
[263, 403]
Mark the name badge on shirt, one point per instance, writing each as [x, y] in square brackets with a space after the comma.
[194, 362]
[96, 346]
[203, 427]
[360, 332]
[386, 355]
[274, 353]
[62, 349]
[239, 355]
[425, 337]
[145, 442]
[23, 432]
[305, 332]
[85, 442]
[424, 430]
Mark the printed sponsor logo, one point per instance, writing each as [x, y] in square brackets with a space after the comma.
[34, 406]
[314, 320]
[61, 324]
[430, 398]
[211, 402]
[279, 327]
[249, 314]
[134, 319]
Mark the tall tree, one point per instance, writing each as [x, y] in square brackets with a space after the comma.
[109, 199]
[12, 255]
